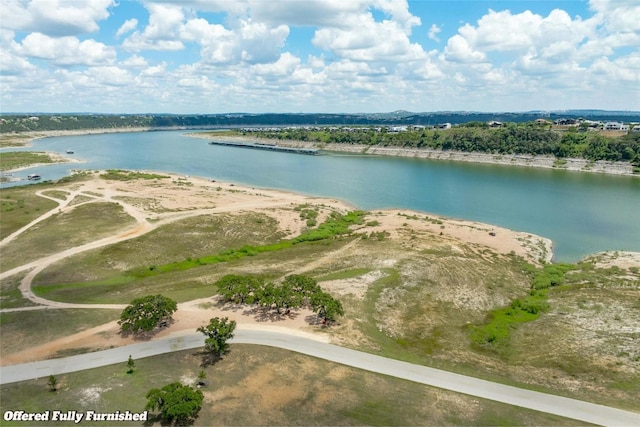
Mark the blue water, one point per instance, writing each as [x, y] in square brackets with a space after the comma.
[582, 213]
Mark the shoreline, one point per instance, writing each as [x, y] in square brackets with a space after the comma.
[521, 160]
[33, 135]
[56, 159]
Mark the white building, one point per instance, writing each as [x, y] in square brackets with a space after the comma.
[616, 126]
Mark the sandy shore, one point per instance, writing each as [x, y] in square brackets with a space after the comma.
[524, 160]
[30, 136]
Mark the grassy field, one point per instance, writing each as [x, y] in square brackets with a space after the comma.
[25, 329]
[256, 385]
[18, 159]
[10, 295]
[179, 285]
[83, 224]
[19, 206]
[14, 140]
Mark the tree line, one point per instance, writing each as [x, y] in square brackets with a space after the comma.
[511, 138]
[294, 292]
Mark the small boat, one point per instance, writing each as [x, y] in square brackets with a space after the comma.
[69, 151]
[33, 177]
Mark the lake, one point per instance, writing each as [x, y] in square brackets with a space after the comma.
[582, 213]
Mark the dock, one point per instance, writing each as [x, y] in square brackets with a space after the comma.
[269, 147]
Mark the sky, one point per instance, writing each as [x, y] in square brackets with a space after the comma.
[314, 56]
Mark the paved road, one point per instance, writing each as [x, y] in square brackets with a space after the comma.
[570, 408]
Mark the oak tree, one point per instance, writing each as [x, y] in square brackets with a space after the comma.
[217, 333]
[147, 313]
[177, 403]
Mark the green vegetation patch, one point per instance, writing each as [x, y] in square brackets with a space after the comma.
[122, 175]
[334, 226]
[10, 160]
[308, 213]
[495, 332]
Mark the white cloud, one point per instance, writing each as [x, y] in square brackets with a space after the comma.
[128, 26]
[284, 66]
[162, 31]
[135, 61]
[66, 51]
[459, 50]
[433, 32]
[624, 70]
[11, 64]
[370, 41]
[617, 15]
[156, 70]
[247, 41]
[55, 17]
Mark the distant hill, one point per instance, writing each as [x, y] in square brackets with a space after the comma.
[45, 122]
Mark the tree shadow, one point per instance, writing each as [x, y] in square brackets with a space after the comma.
[268, 314]
[147, 335]
[260, 313]
[315, 320]
[209, 359]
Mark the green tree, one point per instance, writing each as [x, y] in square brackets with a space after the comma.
[278, 296]
[130, 365]
[146, 313]
[302, 285]
[52, 383]
[218, 332]
[177, 403]
[326, 306]
[238, 289]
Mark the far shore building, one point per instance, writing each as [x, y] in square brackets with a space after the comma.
[543, 122]
[616, 126]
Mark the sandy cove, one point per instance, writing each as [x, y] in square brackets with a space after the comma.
[525, 160]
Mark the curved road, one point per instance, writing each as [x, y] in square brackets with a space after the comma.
[562, 406]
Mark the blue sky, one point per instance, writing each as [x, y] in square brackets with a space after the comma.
[216, 56]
